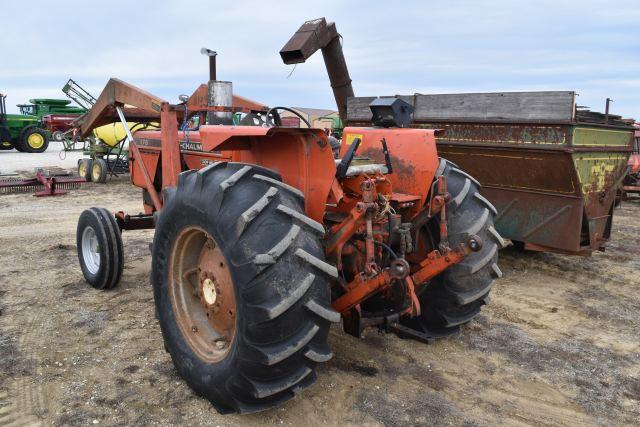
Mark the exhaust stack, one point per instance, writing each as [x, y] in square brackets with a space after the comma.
[318, 34]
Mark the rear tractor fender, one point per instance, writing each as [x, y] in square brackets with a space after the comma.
[413, 155]
[302, 157]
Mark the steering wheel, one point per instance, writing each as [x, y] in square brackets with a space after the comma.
[271, 123]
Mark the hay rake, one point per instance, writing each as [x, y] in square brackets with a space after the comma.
[44, 184]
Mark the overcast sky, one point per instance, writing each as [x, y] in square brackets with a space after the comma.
[401, 47]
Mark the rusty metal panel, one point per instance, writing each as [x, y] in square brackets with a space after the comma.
[536, 192]
[503, 134]
[539, 171]
[545, 220]
[600, 175]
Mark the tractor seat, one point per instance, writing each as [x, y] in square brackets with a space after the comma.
[360, 166]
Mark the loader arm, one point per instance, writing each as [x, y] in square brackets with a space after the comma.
[138, 105]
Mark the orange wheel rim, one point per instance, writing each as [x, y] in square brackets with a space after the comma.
[202, 294]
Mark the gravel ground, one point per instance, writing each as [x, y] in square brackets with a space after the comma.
[558, 345]
[13, 161]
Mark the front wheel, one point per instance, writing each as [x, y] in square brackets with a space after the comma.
[99, 246]
[57, 136]
[241, 286]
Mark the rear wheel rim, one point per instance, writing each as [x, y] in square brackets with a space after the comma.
[35, 140]
[90, 250]
[202, 294]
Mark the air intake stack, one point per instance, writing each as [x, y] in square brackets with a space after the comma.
[220, 93]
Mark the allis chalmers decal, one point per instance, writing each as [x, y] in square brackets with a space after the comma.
[184, 145]
[190, 146]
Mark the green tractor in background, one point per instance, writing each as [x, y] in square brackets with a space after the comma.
[21, 131]
[40, 107]
[56, 115]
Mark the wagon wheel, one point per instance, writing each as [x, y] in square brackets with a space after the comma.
[84, 169]
[57, 136]
[99, 171]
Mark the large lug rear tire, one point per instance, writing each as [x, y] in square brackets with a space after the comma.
[99, 246]
[233, 238]
[456, 296]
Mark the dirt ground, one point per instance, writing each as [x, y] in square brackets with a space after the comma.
[558, 345]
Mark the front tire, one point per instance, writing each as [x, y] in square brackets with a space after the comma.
[57, 136]
[270, 254]
[99, 247]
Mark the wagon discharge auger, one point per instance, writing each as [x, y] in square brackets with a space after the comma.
[262, 239]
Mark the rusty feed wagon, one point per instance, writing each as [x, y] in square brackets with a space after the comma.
[550, 168]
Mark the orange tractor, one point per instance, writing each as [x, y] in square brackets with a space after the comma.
[263, 239]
